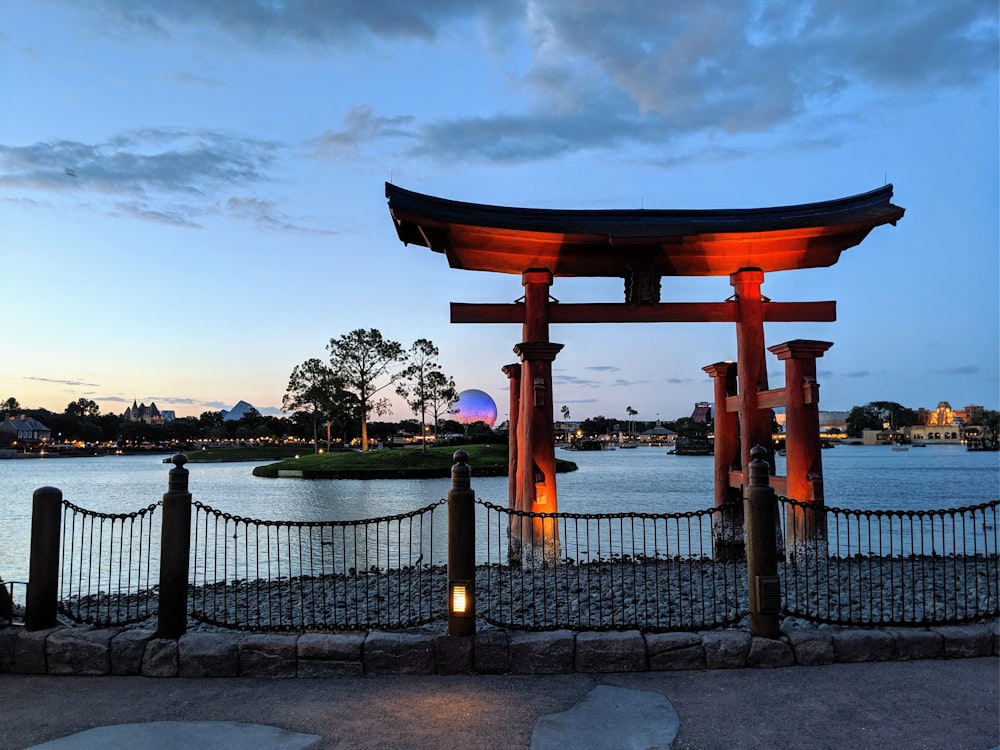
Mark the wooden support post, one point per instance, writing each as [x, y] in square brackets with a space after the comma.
[461, 549]
[537, 451]
[755, 422]
[42, 600]
[726, 430]
[760, 511]
[536, 459]
[727, 527]
[175, 550]
[513, 373]
[803, 452]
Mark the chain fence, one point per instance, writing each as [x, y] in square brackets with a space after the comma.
[109, 569]
[890, 567]
[653, 572]
[252, 574]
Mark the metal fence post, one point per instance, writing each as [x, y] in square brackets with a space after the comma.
[461, 549]
[42, 597]
[175, 549]
[759, 510]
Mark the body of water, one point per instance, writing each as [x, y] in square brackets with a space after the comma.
[642, 480]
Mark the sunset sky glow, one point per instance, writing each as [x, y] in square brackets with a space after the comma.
[191, 192]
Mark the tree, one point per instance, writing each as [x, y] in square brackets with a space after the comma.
[876, 414]
[83, 407]
[11, 404]
[422, 382]
[990, 421]
[631, 419]
[367, 363]
[312, 393]
[565, 415]
[441, 396]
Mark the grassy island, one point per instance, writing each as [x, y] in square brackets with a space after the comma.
[408, 463]
[243, 453]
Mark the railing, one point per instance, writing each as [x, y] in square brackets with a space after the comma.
[653, 572]
[345, 575]
[106, 567]
[12, 595]
[766, 558]
[892, 566]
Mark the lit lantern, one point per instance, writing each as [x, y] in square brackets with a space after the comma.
[459, 602]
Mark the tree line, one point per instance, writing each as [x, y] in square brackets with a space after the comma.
[342, 393]
[351, 385]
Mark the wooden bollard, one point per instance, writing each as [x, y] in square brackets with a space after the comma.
[761, 545]
[461, 549]
[42, 597]
[175, 548]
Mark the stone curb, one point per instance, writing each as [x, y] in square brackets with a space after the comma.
[97, 651]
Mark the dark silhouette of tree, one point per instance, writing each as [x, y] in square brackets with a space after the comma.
[442, 395]
[875, 415]
[83, 407]
[316, 393]
[367, 363]
[424, 386]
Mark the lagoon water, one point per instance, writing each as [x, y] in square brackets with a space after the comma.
[643, 480]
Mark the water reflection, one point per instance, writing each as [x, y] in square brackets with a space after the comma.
[645, 480]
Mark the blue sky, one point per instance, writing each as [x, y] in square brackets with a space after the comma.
[191, 192]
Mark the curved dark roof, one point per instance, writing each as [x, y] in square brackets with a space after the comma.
[614, 242]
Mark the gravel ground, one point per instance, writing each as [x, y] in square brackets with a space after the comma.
[664, 594]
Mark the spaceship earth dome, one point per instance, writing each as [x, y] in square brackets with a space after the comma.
[475, 406]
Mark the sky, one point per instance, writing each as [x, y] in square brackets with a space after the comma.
[192, 191]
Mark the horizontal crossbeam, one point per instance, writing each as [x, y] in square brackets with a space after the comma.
[664, 312]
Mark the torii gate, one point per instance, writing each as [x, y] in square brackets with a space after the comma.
[641, 246]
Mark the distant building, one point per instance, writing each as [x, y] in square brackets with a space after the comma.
[943, 416]
[237, 413]
[23, 429]
[702, 413]
[973, 413]
[833, 420]
[142, 413]
[925, 433]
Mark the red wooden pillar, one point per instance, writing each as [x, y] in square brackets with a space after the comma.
[536, 457]
[751, 366]
[803, 454]
[513, 373]
[726, 430]
[727, 527]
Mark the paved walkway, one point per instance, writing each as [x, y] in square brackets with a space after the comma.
[908, 705]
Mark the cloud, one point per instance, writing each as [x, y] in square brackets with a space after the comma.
[575, 381]
[671, 77]
[361, 127]
[57, 381]
[691, 79]
[859, 374]
[960, 370]
[297, 21]
[622, 382]
[162, 175]
[603, 368]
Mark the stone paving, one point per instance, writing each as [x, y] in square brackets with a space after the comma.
[114, 651]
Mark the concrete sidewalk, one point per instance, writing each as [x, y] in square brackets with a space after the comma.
[908, 705]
